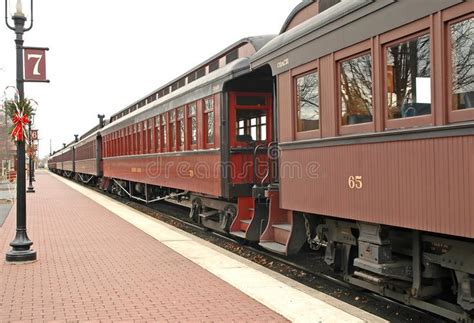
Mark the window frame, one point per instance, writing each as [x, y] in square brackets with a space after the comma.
[406, 33]
[165, 138]
[144, 149]
[157, 130]
[130, 140]
[172, 125]
[233, 107]
[134, 139]
[151, 135]
[119, 142]
[296, 73]
[453, 115]
[345, 55]
[205, 114]
[189, 136]
[181, 121]
[139, 137]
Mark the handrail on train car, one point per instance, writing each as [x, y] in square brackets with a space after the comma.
[255, 152]
[273, 154]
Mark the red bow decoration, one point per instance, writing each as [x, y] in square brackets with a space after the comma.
[19, 124]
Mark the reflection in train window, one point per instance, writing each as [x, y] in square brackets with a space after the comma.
[409, 78]
[356, 90]
[462, 60]
[307, 102]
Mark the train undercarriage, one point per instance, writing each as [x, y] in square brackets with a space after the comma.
[431, 272]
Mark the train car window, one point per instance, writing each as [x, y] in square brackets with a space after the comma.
[326, 4]
[408, 78]
[157, 134]
[201, 72]
[129, 143]
[209, 120]
[164, 133]
[232, 56]
[139, 138]
[191, 77]
[173, 128]
[181, 127]
[252, 100]
[151, 134]
[253, 123]
[307, 101]
[125, 141]
[144, 149]
[462, 64]
[356, 90]
[213, 66]
[134, 140]
[117, 143]
[192, 123]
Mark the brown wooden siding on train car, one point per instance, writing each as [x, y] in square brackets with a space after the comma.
[67, 166]
[285, 110]
[191, 172]
[425, 184]
[87, 166]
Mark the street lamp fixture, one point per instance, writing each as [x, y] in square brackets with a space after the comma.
[21, 244]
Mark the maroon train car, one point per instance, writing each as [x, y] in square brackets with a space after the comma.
[375, 128]
[87, 159]
[196, 137]
[53, 162]
[67, 165]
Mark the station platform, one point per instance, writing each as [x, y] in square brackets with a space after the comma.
[100, 260]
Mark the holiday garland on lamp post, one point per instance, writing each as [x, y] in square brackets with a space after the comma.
[19, 111]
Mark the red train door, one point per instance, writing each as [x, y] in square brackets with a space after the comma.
[250, 116]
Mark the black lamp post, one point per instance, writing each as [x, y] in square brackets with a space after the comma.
[21, 251]
[31, 189]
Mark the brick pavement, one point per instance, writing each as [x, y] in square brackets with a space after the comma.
[94, 266]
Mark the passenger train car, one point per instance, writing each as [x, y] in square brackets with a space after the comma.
[352, 130]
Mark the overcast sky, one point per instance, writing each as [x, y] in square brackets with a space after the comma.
[105, 54]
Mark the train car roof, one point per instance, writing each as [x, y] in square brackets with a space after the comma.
[333, 29]
[282, 44]
[87, 137]
[256, 41]
[56, 154]
[205, 86]
[299, 7]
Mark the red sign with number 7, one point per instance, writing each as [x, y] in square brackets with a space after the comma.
[35, 64]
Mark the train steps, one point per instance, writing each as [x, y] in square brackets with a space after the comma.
[285, 232]
[250, 220]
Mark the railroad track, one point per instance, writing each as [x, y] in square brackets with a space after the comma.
[176, 214]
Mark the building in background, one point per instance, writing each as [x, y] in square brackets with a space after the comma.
[7, 146]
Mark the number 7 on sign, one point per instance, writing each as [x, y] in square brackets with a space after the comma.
[35, 64]
[38, 58]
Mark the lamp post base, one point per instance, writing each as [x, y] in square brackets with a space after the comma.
[20, 256]
[21, 251]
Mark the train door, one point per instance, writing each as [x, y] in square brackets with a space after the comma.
[250, 130]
